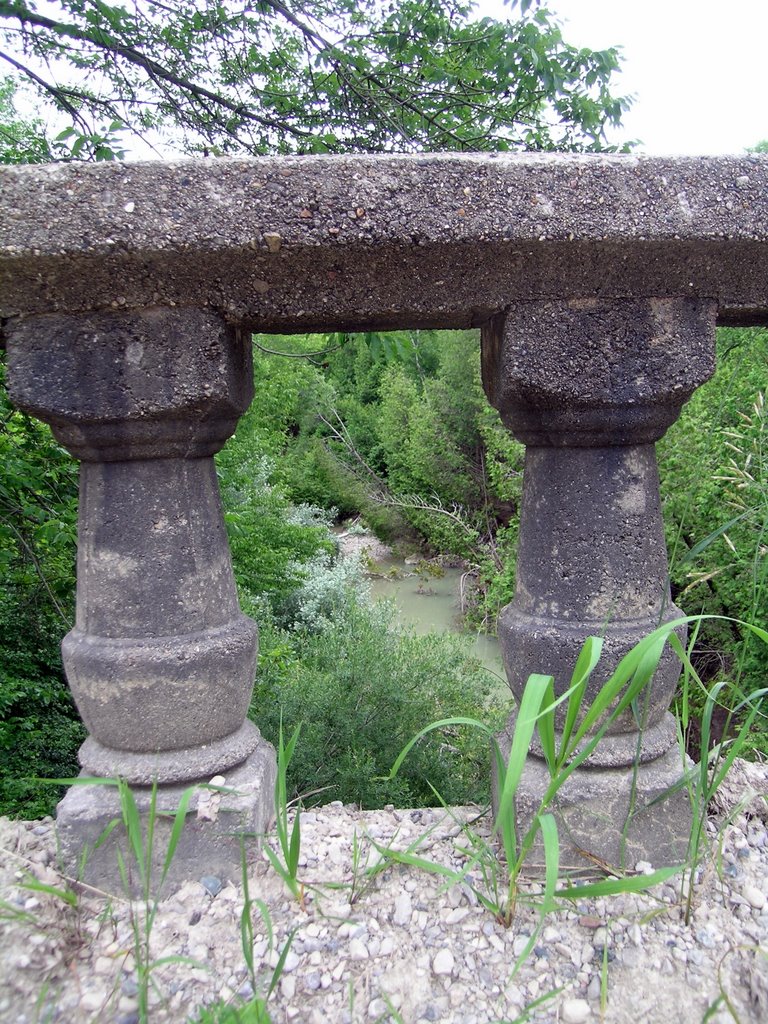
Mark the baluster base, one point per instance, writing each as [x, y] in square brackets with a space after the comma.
[206, 847]
[608, 815]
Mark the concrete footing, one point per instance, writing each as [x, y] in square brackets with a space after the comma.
[211, 842]
[615, 816]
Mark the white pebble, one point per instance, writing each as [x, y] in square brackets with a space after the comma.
[403, 910]
[754, 896]
[358, 950]
[288, 986]
[575, 1011]
[443, 962]
[92, 1001]
[104, 965]
[291, 962]
[457, 915]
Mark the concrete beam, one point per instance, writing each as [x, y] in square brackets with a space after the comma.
[299, 243]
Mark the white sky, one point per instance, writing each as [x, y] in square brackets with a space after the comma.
[698, 68]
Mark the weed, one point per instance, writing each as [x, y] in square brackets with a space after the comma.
[286, 865]
[583, 728]
[141, 849]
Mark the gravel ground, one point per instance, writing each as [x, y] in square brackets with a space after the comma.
[362, 943]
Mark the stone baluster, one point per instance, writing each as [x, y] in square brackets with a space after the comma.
[588, 385]
[161, 661]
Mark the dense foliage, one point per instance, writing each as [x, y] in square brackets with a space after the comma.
[39, 728]
[714, 469]
[317, 76]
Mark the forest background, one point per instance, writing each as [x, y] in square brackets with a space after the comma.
[392, 430]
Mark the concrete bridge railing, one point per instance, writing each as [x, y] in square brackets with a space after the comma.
[127, 296]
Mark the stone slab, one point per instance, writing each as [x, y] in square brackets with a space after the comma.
[356, 242]
[207, 847]
[593, 817]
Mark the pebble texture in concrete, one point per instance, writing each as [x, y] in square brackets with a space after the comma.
[291, 243]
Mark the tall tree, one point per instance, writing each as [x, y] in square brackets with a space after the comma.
[314, 76]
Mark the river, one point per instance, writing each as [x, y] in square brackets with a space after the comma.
[430, 604]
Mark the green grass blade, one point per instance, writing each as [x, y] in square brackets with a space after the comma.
[179, 820]
[132, 822]
[589, 656]
[412, 860]
[710, 538]
[546, 824]
[65, 895]
[441, 724]
[534, 693]
[266, 920]
[615, 886]
[281, 962]
[546, 727]
[294, 850]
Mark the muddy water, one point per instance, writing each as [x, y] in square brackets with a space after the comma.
[430, 604]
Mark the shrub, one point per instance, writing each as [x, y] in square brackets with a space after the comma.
[362, 690]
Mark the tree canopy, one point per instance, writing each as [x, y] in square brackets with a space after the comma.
[312, 76]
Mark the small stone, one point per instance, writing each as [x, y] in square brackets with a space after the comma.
[377, 1008]
[586, 921]
[457, 915]
[705, 938]
[212, 884]
[91, 1001]
[631, 956]
[129, 207]
[291, 962]
[358, 950]
[643, 867]
[273, 241]
[288, 986]
[754, 896]
[575, 1011]
[403, 910]
[129, 987]
[443, 963]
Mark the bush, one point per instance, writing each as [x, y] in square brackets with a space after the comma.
[362, 690]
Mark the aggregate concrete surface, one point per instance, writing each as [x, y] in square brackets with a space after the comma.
[366, 948]
[302, 243]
